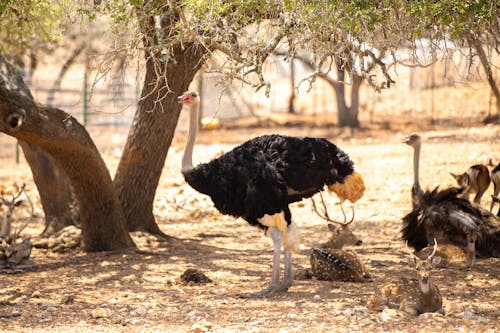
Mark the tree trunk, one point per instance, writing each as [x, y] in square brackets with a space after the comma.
[291, 101]
[354, 109]
[61, 136]
[339, 87]
[347, 116]
[476, 44]
[153, 127]
[54, 187]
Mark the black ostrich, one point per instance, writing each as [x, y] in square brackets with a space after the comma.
[260, 178]
[444, 216]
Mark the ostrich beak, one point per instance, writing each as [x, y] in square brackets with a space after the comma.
[406, 139]
[183, 98]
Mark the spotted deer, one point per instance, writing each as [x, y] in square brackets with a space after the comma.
[495, 179]
[330, 262]
[10, 199]
[13, 248]
[475, 180]
[413, 296]
[453, 255]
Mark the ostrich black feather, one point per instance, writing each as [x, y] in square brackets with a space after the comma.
[265, 174]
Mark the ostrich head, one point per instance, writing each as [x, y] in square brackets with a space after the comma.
[413, 140]
[189, 98]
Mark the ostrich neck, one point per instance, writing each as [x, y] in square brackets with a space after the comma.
[187, 158]
[416, 166]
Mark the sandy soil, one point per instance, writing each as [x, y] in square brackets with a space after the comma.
[131, 292]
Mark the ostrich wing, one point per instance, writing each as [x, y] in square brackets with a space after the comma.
[306, 164]
[460, 219]
[240, 183]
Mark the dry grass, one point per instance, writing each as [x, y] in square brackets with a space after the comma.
[132, 292]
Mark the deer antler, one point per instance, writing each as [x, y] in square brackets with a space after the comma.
[345, 218]
[409, 251]
[433, 250]
[324, 214]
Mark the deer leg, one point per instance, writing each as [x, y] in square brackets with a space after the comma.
[409, 309]
[479, 195]
[496, 189]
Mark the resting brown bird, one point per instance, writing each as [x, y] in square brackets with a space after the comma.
[444, 215]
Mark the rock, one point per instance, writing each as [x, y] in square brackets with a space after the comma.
[433, 315]
[194, 314]
[67, 299]
[10, 315]
[218, 291]
[194, 275]
[46, 306]
[470, 315]
[100, 313]
[198, 328]
[201, 327]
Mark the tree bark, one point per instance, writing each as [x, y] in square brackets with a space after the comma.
[153, 127]
[339, 86]
[54, 187]
[59, 204]
[476, 44]
[354, 108]
[61, 136]
[347, 115]
[291, 101]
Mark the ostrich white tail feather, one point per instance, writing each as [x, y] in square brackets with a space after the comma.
[291, 239]
[462, 219]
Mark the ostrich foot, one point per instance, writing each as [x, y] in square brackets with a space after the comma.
[269, 291]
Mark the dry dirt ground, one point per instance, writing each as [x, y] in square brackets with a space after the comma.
[131, 292]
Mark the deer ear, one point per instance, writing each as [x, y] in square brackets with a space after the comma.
[436, 261]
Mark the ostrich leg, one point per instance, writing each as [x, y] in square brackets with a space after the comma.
[288, 278]
[274, 285]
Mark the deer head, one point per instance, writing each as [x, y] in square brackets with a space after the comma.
[341, 234]
[10, 203]
[423, 268]
[462, 179]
